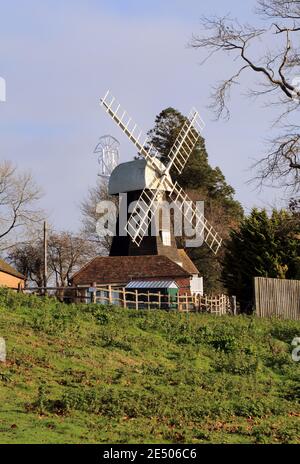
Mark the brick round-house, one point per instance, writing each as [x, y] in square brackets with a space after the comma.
[118, 271]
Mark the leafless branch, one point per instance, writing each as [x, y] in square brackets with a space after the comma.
[282, 163]
[283, 9]
[18, 197]
[278, 70]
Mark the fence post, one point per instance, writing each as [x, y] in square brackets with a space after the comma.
[136, 300]
[159, 300]
[94, 298]
[76, 295]
[233, 304]
[124, 297]
[195, 303]
[109, 295]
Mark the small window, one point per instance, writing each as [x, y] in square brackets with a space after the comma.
[166, 237]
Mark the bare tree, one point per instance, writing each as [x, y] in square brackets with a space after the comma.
[90, 216]
[28, 258]
[278, 70]
[18, 198]
[66, 254]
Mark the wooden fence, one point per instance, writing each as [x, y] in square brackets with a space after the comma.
[277, 298]
[134, 299]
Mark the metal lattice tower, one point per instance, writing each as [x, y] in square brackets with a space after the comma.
[108, 159]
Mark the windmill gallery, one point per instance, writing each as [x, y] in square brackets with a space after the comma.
[144, 251]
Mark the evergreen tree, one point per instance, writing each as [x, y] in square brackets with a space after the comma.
[262, 247]
[201, 182]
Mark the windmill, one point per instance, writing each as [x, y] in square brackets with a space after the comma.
[150, 197]
[108, 150]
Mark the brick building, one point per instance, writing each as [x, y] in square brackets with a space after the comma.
[119, 271]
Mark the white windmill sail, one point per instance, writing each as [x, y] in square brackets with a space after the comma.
[186, 141]
[130, 128]
[178, 156]
[195, 218]
[148, 202]
[144, 210]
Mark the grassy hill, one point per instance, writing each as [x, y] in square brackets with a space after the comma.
[92, 374]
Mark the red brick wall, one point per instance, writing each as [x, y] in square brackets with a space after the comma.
[184, 286]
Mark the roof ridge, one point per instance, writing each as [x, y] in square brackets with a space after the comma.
[85, 265]
[124, 268]
[8, 269]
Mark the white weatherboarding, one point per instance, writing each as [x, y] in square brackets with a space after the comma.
[179, 154]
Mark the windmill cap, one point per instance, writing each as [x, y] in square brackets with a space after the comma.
[136, 175]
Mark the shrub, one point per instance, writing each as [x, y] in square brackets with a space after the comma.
[237, 363]
[286, 331]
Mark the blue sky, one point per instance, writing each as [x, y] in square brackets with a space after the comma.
[59, 58]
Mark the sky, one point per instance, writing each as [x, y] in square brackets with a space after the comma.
[59, 57]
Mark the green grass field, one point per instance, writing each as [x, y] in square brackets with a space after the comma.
[93, 374]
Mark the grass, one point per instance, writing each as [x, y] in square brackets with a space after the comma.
[94, 374]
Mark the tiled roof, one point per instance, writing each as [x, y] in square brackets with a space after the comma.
[187, 263]
[8, 269]
[122, 269]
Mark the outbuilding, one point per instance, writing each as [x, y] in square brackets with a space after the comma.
[120, 271]
[10, 277]
[167, 289]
